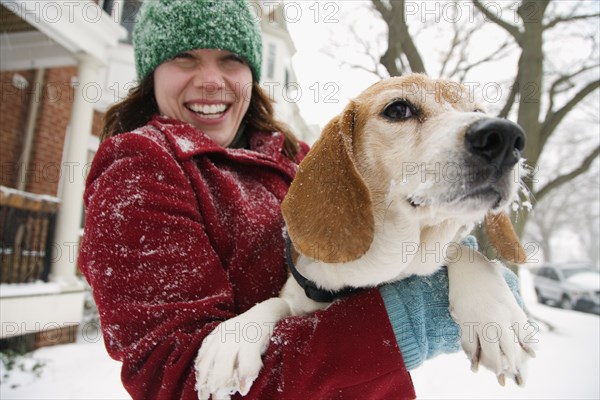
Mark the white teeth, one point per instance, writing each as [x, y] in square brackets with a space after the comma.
[208, 108]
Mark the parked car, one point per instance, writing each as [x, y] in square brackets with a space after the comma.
[570, 286]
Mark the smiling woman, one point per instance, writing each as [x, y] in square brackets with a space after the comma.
[205, 88]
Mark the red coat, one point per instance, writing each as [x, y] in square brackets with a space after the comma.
[181, 234]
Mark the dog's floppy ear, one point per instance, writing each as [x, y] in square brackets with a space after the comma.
[328, 209]
[503, 237]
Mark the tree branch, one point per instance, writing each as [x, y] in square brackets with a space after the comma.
[559, 180]
[400, 41]
[406, 42]
[459, 42]
[334, 49]
[554, 118]
[511, 98]
[372, 58]
[513, 30]
[388, 60]
[559, 20]
[453, 44]
[495, 55]
[554, 88]
[382, 9]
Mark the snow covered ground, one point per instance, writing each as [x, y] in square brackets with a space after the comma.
[567, 366]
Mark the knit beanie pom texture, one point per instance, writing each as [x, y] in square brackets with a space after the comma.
[166, 28]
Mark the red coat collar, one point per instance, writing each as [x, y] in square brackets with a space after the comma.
[188, 141]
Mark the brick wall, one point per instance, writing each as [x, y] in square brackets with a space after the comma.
[98, 123]
[13, 113]
[53, 118]
[44, 170]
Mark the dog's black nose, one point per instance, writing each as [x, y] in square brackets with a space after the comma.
[498, 141]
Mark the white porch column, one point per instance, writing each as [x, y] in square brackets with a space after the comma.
[66, 241]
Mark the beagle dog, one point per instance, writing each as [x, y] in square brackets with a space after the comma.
[389, 190]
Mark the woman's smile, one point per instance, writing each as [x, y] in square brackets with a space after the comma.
[207, 113]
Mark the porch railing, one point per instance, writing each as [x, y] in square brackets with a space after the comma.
[27, 224]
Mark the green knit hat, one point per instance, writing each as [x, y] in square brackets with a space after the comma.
[165, 28]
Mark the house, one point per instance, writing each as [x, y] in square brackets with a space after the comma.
[279, 78]
[61, 65]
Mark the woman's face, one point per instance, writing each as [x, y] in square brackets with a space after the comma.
[210, 89]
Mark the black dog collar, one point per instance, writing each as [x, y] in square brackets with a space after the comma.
[311, 289]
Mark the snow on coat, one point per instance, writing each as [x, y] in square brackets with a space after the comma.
[181, 234]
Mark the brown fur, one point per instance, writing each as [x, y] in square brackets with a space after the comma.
[503, 237]
[329, 209]
[328, 181]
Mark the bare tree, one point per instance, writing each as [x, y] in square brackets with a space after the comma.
[573, 207]
[533, 86]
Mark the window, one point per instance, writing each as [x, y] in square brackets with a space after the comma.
[107, 6]
[287, 78]
[271, 54]
[93, 144]
[128, 17]
[552, 275]
[123, 12]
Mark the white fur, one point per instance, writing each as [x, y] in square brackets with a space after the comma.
[407, 241]
[494, 328]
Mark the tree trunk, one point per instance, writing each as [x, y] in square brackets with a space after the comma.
[531, 70]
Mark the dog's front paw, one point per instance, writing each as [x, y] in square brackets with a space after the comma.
[228, 361]
[495, 331]
[497, 337]
[230, 357]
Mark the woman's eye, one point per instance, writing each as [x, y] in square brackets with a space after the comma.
[398, 110]
[182, 56]
[235, 58]
[184, 60]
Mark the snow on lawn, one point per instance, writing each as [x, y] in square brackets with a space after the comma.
[73, 371]
[567, 366]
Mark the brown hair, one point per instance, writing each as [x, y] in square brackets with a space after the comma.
[132, 112]
[140, 105]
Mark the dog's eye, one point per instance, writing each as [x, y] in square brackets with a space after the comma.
[398, 110]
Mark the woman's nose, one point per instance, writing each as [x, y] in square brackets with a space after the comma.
[209, 77]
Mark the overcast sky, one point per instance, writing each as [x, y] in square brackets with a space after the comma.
[326, 86]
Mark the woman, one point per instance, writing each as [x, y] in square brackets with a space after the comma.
[183, 228]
